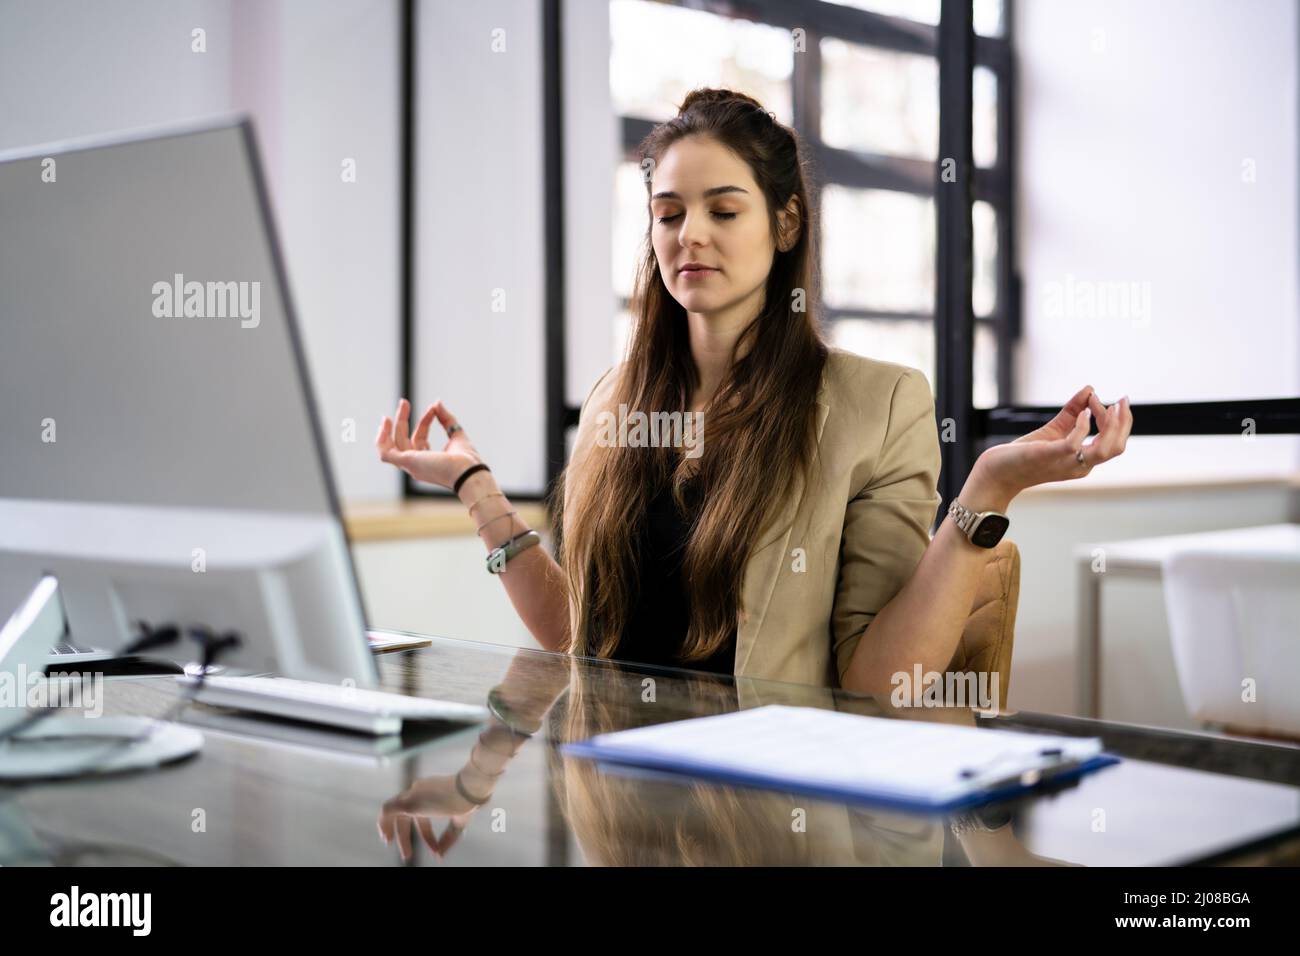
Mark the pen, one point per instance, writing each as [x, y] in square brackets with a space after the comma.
[1030, 777]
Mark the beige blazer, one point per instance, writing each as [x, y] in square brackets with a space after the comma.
[840, 550]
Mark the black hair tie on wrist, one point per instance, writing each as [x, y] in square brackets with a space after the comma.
[466, 473]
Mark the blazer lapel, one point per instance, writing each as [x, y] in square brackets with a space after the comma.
[765, 564]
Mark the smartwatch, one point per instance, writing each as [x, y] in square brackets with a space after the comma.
[986, 819]
[984, 529]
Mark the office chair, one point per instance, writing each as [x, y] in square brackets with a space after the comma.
[990, 631]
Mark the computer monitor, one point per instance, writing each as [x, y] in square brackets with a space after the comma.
[159, 448]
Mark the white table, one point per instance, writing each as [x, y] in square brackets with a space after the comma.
[1144, 558]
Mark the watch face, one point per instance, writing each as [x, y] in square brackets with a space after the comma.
[990, 530]
[993, 817]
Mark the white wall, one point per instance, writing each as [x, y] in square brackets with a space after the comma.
[71, 68]
[322, 80]
[438, 586]
[481, 291]
[481, 203]
[1140, 128]
[592, 149]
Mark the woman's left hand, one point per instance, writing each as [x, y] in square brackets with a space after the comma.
[1052, 452]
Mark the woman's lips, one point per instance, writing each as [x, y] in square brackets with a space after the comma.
[696, 273]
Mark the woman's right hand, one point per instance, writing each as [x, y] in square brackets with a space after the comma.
[414, 455]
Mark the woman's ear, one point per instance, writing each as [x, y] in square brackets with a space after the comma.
[789, 224]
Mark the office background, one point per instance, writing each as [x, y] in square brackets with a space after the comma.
[1148, 198]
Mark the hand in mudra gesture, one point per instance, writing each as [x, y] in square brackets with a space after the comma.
[414, 455]
[1058, 451]
[415, 807]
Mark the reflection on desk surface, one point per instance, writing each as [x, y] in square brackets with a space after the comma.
[266, 794]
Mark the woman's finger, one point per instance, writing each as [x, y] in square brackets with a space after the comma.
[1098, 408]
[384, 440]
[403, 828]
[1079, 401]
[1111, 441]
[1072, 444]
[449, 837]
[1118, 429]
[1118, 423]
[1121, 422]
[401, 425]
[445, 418]
[1099, 449]
[420, 439]
[425, 826]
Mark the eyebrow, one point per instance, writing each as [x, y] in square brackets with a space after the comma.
[715, 191]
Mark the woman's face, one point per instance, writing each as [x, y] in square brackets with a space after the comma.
[706, 208]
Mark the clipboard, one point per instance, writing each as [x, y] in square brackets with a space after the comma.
[828, 754]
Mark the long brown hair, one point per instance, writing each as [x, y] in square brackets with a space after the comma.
[760, 424]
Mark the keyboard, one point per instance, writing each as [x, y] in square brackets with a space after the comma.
[65, 654]
[352, 708]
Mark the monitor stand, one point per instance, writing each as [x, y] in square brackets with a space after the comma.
[110, 665]
[64, 745]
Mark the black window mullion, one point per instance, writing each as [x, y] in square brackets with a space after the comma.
[954, 315]
[806, 99]
[1008, 281]
[553, 160]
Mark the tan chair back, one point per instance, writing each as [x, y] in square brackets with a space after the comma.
[990, 631]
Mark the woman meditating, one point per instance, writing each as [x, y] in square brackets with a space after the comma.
[787, 535]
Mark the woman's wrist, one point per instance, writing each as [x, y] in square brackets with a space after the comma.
[489, 509]
[496, 530]
[520, 718]
[476, 486]
[501, 740]
[983, 492]
[478, 783]
[488, 762]
[496, 522]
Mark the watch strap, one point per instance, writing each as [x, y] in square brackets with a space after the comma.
[963, 517]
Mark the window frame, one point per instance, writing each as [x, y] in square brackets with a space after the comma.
[952, 40]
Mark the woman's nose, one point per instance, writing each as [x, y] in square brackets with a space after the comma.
[693, 232]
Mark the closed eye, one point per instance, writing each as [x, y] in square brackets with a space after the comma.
[720, 215]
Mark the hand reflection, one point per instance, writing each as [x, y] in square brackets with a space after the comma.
[456, 796]
[427, 797]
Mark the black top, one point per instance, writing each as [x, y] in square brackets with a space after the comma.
[660, 611]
